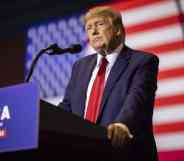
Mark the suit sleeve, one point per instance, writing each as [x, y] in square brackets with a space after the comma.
[137, 109]
[66, 103]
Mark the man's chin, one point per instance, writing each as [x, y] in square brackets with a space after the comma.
[100, 48]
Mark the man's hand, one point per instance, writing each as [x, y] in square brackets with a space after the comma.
[119, 134]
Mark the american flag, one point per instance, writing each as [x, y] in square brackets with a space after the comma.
[151, 25]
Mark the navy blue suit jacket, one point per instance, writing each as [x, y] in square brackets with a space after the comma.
[128, 97]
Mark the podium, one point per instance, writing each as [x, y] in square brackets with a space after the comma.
[62, 136]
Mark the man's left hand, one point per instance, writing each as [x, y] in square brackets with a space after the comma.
[119, 134]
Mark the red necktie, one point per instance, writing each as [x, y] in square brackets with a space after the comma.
[96, 94]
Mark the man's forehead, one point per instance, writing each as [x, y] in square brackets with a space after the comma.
[94, 19]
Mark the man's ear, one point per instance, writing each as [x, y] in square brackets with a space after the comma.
[118, 31]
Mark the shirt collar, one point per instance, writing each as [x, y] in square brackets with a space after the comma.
[111, 58]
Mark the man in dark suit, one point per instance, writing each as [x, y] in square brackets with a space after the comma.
[115, 87]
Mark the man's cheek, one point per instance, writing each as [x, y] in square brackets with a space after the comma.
[106, 40]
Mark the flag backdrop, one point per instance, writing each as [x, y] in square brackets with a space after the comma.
[151, 25]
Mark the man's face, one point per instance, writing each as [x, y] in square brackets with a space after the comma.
[101, 33]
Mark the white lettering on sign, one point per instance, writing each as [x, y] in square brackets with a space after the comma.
[5, 113]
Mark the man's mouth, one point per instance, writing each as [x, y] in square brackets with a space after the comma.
[97, 39]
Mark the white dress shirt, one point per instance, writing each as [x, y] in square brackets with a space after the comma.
[111, 58]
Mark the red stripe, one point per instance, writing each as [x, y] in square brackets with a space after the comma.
[153, 24]
[169, 100]
[127, 5]
[169, 127]
[171, 73]
[166, 47]
[174, 155]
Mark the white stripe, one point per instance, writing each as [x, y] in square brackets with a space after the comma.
[182, 5]
[149, 13]
[171, 86]
[155, 37]
[168, 114]
[171, 60]
[170, 141]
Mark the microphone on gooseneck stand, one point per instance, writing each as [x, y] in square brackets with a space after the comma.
[74, 48]
[53, 49]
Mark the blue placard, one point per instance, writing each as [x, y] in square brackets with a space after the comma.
[19, 117]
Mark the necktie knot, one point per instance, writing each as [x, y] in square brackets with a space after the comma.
[103, 65]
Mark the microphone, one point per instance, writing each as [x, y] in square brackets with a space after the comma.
[56, 50]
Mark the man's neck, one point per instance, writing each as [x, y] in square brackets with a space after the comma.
[104, 52]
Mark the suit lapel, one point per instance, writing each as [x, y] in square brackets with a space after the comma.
[116, 71]
[86, 75]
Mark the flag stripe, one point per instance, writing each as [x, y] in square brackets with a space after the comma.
[170, 141]
[169, 100]
[173, 59]
[147, 13]
[168, 114]
[169, 128]
[165, 47]
[174, 73]
[173, 155]
[170, 87]
[162, 35]
[166, 21]
[128, 5]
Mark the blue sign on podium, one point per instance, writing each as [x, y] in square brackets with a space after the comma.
[19, 117]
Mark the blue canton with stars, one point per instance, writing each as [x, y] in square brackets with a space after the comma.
[52, 73]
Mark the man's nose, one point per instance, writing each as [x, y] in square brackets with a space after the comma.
[95, 31]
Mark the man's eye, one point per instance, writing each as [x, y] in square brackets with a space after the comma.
[101, 24]
[88, 28]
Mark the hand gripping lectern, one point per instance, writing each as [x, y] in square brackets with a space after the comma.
[32, 130]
